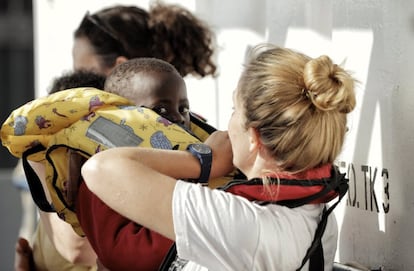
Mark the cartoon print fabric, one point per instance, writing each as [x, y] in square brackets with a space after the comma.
[85, 120]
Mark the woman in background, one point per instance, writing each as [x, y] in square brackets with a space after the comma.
[106, 39]
[168, 32]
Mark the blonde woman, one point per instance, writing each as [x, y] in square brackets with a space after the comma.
[287, 128]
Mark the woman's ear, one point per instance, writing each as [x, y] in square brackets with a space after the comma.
[120, 60]
[254, 140]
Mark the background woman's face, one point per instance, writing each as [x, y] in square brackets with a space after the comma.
[85, 58]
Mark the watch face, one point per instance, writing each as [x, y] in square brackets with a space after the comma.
[201, 148]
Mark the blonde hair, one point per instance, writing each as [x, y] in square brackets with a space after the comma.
[297, 104]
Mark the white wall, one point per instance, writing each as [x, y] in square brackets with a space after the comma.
[373, 38]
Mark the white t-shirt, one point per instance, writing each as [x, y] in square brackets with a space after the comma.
[216, 230]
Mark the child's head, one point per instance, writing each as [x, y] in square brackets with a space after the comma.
[75, 79]
[152, 83]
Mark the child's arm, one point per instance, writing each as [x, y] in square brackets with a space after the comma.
[71, 246]
[74, 248]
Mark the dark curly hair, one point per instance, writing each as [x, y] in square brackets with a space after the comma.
[167, 32]
[75, 79]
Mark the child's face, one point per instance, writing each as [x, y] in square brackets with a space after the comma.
[166, 94]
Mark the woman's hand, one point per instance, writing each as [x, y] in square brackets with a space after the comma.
[220, 145]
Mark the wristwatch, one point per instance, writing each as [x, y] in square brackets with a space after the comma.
[205, 156]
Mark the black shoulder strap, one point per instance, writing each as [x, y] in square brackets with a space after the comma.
[169, 258]
[315, 252]
[35, 185]
[202, 124]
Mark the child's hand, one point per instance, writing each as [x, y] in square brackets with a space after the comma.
[23, 260]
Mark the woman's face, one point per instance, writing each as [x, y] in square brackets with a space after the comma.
[239, 135]
[85, 58]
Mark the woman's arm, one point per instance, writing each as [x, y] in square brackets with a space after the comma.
[136, 191]
[142, 248]
[135, 181]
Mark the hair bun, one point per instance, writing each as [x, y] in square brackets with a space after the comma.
[328, 86]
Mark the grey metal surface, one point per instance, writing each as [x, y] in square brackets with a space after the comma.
[10, 213]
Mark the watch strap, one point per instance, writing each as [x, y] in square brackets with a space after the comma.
[205, 160]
